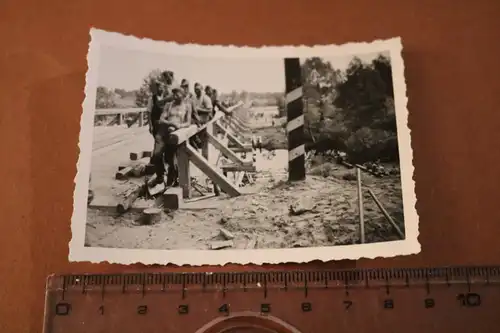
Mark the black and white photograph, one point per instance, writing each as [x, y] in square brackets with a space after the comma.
[199, 154]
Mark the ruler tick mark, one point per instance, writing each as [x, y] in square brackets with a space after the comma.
[427, 284]
[64, 288]
[103, 285]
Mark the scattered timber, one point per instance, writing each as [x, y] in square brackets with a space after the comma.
[218, 245]
[139, 168]
[226, 234]
[135, 156]
[124, 173]
[129, 200]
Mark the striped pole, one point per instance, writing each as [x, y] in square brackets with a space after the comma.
[295, 120]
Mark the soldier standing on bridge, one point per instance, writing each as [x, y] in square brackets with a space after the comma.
[217, 105]
[175, 115]
[154, 108]
[161, 93]
[185, 86]
[189, 97]
[203, 103]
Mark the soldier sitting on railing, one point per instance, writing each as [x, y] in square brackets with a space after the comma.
[175, 115]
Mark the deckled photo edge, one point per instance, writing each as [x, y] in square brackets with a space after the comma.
[78, 252]
[79, 215]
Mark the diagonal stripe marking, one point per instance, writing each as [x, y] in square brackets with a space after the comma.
[296, 123]
[296, 152]
[294, 95]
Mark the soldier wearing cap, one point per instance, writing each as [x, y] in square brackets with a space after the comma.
[161, 93]
[166, 82]
[176, 114]
[190, 99]
[185, 87]
[154, 108]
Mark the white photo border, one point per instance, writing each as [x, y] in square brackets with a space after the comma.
[77, 250]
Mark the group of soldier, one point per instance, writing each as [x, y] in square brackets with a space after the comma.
[172, 107]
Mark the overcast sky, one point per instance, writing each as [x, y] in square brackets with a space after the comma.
[121, 68]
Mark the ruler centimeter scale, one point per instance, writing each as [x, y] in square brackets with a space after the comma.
[465, 299]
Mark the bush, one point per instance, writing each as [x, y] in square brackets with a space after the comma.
[323, 170]
[368, 144]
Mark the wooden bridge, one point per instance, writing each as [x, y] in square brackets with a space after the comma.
[120, 132]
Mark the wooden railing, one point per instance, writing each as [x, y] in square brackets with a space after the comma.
[137, 115]
[130, 116]
[187, 154]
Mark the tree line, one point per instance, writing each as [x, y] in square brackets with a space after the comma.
[352, 110]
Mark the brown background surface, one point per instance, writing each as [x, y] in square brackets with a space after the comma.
[451, 52]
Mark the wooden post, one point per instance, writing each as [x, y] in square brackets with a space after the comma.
[295, 120]
[360, 207]
[206, 150]
[387, 216]
[184, 175]
[204, 147]
[151, 215]
[141, 118]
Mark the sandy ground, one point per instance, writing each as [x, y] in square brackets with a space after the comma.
[265, 216]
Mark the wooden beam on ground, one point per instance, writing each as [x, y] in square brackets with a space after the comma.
[212, 173]
[124, 173]
[226, 151]
[127, 202]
